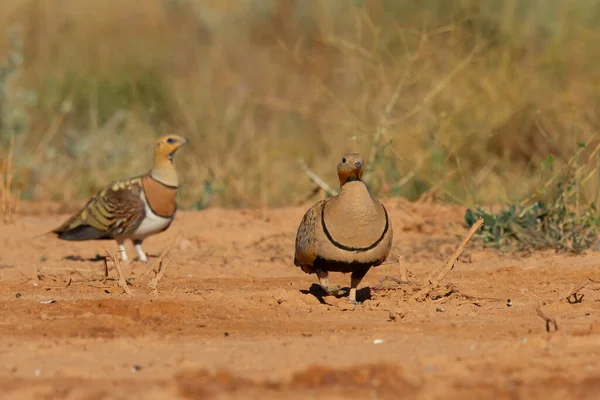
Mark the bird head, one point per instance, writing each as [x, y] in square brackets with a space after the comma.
[167, 145]
[350, 168]
[163, 169]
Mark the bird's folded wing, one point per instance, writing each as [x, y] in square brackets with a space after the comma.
[306, 236]
[112, 212]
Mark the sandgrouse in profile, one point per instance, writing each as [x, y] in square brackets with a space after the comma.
[349, 232]
[131, 209]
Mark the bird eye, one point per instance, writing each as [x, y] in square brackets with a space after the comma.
[170, 140]
[343, 160]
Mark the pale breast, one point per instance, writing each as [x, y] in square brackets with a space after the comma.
[355, 220]
[354, 228]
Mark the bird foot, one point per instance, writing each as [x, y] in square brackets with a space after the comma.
[352, 297]
[334, 291]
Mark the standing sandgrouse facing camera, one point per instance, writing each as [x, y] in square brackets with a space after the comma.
[131, 209]
[349, 232]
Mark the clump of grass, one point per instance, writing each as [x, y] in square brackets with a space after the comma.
[14, 99]
[8, 199]
[555, 220]
[441, 97]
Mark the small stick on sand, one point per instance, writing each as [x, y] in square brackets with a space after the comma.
[316, 179]
[156, 265]
[440, 273]
[105, 268]
[162, 268]
[59, 287]
[550, 320]
[573, 296]
[398, 261]
[21, 272]
[121, 282]
[36, 274]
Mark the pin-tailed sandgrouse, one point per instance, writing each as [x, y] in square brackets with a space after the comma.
[349, 232]
[131, 209]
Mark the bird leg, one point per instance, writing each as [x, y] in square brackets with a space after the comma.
[355, 279]
[324, 282]
[122, 251]
[138, 247]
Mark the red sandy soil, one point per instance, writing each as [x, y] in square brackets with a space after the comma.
[234, 319]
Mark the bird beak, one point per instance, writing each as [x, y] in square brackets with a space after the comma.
[358, 164]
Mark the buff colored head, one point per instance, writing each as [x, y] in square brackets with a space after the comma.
[163, 169]
[167, 145]
[350, 168]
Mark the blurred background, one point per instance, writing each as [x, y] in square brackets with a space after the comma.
[467, 101]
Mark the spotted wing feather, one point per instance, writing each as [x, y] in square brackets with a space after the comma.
[306, 237]
[112, 212]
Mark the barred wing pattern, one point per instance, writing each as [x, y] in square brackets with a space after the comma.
[112, 212]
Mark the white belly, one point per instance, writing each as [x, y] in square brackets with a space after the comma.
[151, 224]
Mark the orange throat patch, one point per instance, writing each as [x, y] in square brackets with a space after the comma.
[161, 199]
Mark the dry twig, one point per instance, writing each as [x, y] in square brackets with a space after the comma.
[162, 268]
[156, 265]
[59, 287]
[121, 281]
[316, 179]
[8, 200]
[21, 272]
[573, 296]
[550, 319]
[440, 273]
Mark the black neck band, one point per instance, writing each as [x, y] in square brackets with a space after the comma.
[162, 183]
[350, 248]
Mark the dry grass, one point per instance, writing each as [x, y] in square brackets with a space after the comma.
[462, 99]
[9, 201]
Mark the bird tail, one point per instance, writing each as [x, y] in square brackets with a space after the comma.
[80, 232]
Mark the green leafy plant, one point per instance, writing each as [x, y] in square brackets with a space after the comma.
[555, 221]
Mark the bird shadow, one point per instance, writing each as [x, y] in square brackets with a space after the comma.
[319, 293]
[100, 258]
[97, 258]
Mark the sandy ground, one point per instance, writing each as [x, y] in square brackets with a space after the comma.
[233, 318]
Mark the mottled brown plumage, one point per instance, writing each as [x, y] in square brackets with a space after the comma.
[350, 232]
[131, 209]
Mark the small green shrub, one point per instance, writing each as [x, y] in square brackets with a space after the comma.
[557, 222]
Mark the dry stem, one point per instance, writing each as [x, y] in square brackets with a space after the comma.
[158, 263]
[8, 200]
[436, 276]
[121, 281]
[573, 296]
[316, 179]
[550, 319]
[164, 262]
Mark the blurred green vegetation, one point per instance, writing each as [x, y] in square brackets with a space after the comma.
[460, 100]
